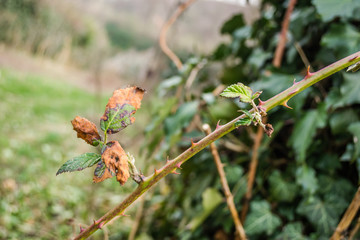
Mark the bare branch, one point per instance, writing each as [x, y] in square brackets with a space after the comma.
[279, 52]
[229, 197]
[162, 40]
[348, 217]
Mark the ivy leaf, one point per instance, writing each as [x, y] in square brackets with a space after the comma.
[350, 89]
[119, 109]
[281, 190]
[322, 215]
[304, 131]
[261, 219]
[238, 90]
[292, 231]
[80, 162]
[211, 198]
[329, 9]
[354, 128]
[306, 178]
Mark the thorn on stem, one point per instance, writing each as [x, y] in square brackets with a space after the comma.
[193, 144]
[178, 166]
[81, 229]
[124, 215]
[218, 125]
[167, 159]
[285, 104]
[308, 73]
[260, 102]
[156, 171]
[174, 172]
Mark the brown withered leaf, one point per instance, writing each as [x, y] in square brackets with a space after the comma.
[116, 161]
[119, 109]
[86, 130]
[269, 129]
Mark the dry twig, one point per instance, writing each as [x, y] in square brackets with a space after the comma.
[229, 197]
[355, 229]
[162, 40]
[252, 171]
[347, 218]
[279, 52]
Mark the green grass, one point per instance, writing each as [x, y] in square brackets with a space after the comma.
[36, 138]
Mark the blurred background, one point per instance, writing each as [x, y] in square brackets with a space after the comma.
[60, 59]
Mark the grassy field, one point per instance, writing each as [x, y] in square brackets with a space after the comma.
[36, 138]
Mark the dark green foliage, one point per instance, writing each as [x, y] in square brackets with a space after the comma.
[124, 37]
[309, 170]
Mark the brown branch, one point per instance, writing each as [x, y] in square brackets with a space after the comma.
[279, 52]
[229, 197]
[355, 229]
[162, 40]
[348, 217]
[303, 56]
[252, 171]
[139, 213]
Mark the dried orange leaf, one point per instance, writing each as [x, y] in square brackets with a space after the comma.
[86, 130]
[116, 161]
[119, 109]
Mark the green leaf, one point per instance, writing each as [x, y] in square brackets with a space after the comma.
[350, 89]
[258, 57]
[261, 219]
[306, 178]
[322, 215]
[256, 95]
[246, 121]
[80, 162]
[291, 231]
[238, 90]
[354, 129]
[340, 120]
[334, 39]
[329, 9]
[304, 131]
[167, 84]
[181, 118]
[280, 189]
[117, 118]
[234, 23]
[211, 198]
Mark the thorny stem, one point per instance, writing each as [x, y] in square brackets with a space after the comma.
[172, 165]
[229, 197]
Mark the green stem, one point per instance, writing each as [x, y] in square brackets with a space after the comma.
[171, 166]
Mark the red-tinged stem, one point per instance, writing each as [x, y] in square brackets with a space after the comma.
[171, 166]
